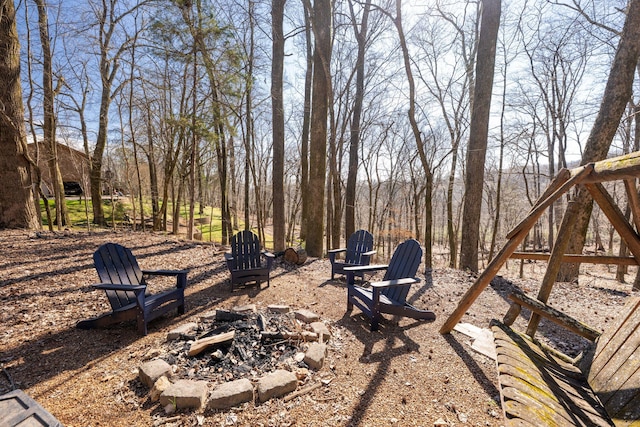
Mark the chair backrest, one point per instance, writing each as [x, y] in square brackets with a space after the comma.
[404, 263]
[116, 264]
[245, 249]
[614, 373]
[359, 242]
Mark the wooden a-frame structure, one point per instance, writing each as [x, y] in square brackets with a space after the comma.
[591, 176]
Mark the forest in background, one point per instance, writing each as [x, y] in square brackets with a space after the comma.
[210, 103]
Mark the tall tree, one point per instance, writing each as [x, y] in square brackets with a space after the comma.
[479, 130]
[277, 108]
[617, 94]
[110, 15]
[350, 193]
[321, 25]
[17, 208]
[306, 121]
[49, 125]
[420, 143]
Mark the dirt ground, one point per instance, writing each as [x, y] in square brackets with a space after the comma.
[405, 374]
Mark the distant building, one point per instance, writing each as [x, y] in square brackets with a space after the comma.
[74, 167]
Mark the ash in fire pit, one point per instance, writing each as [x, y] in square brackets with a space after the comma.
[229, 345]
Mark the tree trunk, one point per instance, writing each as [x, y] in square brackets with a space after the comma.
[479, 129]
[49, 125]
[322, 19]
[617, 94]
[277, 108]
[350, 192]
[17, 209]
[306, 123]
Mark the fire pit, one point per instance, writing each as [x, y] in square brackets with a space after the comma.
[242, 345]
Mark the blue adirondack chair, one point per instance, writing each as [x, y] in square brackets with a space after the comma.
[125, 285]
[358, 252]
[389, 295]
[245, 260]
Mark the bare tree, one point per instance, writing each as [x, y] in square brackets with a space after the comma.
[49, 125]
[321, 25]
[617, 94]
[474, 183]
[277, 107]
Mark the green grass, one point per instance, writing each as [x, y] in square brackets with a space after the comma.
[209, 222]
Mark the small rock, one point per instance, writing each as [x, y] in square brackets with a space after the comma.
[440, 423]
[159, 386]
[314, 357]
[245, 309]
[169, 408]
[276, 384]
[149, 372]
[231, 394]
[277, 308]
[185, 329]
[321, 329]
[185, 394]
[307, 316]
[462, 417]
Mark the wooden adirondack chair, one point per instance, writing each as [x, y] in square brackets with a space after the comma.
[125, 285]
[390, 295]
[358, 252]
[245, 262]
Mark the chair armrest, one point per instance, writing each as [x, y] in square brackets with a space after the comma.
[180, 275]
[113, 287]
[365, 268]
[369, 253]
[395, 282]
[268, 254]
[164, 272]
[336, 251]
[521, 300]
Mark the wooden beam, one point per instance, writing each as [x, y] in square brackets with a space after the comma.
[615, 168]
[510, 247]
[616, 217]
[634, 201]
[573, 258]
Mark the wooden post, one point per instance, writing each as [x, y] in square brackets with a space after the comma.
[555, 261]
[634, 201]
[517, 236]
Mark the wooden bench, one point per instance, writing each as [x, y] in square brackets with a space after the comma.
[542, 387]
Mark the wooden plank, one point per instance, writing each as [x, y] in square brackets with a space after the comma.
[555, 316]
[573, 258]
[619, 358]
[561, 410]
[634, 200]
[542, 390]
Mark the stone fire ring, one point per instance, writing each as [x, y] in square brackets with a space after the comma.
[156, 374]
